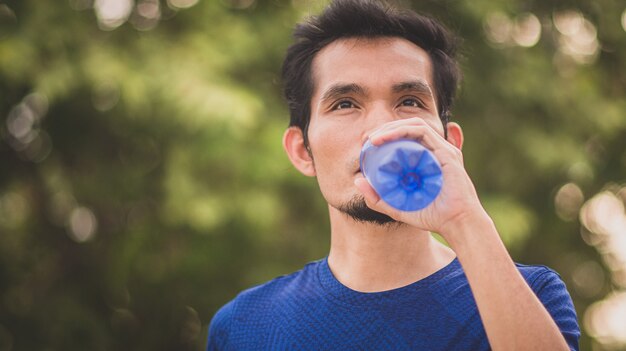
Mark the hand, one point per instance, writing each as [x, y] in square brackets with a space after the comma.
[457, 199]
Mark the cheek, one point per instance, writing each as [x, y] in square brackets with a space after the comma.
[331, 146]
[335, 143]
[321, 138]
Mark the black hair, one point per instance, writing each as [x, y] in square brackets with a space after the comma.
[366, 19]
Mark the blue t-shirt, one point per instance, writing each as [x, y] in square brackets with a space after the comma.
[311, 310]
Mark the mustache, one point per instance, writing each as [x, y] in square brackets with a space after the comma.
[355, 164]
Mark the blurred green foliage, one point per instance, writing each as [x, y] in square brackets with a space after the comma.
[143, 182]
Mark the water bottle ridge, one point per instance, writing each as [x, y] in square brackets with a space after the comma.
[403, 172]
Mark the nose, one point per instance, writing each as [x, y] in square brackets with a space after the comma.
[375, 118]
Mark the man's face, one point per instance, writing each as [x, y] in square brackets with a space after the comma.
[359, 85]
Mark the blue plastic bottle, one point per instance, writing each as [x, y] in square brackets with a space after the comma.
[404, 173]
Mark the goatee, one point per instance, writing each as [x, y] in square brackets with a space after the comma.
[358, 210]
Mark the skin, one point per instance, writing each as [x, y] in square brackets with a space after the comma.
[382, 89]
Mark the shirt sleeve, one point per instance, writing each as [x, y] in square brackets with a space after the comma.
[553, 294]
[220, 328]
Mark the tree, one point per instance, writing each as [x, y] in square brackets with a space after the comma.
[143, 184]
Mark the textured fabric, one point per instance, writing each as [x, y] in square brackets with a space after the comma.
[311, 310]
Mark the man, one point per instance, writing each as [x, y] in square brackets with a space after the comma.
[362, 71]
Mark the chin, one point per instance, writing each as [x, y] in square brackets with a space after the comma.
[358, 210]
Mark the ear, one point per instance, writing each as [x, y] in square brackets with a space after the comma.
[300, 157]
[455, 135]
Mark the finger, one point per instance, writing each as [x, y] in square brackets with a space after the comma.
[409, 122]
[392, 125]
[426, 136]
[404, 122]
[412, 132]
[366, 190]
[423, 134]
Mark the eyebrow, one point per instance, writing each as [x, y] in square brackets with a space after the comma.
[338, 90]
[416, 86]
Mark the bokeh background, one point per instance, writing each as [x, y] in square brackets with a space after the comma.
[143, 183]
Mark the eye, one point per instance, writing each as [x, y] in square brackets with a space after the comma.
[343, 104]
[411, 102]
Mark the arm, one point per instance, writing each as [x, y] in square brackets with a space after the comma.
[513, 317]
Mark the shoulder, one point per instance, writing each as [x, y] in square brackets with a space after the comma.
[219, 327]
[539, 276]
[279, 287]
[255, 304]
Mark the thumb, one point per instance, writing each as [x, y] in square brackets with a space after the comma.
[372, 199]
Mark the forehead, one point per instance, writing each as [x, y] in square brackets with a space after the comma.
[370, 62]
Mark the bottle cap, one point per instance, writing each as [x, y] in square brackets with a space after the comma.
[404, 173]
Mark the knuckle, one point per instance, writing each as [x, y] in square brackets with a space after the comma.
[418, 121]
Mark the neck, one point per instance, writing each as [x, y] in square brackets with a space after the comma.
[370, 258]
